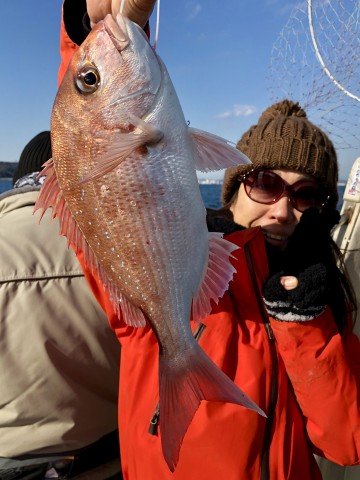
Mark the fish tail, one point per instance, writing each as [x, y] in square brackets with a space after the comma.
[181, 391]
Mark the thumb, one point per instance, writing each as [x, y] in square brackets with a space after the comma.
[289, 283]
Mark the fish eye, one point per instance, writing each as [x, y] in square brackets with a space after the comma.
[88, 79]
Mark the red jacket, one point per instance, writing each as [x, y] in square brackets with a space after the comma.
[315, 373]
[306, 379]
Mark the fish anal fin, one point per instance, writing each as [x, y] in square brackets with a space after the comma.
[113, 153]
[217, 276]
[131, 315]
[181, 391]
[212, 152]
[123, 308]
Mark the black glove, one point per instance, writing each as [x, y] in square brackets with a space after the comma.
[310, 244]
[308, 256]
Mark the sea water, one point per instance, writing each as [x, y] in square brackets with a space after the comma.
[5, 184]
[211, 193]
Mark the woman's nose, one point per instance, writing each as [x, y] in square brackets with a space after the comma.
[283, 210]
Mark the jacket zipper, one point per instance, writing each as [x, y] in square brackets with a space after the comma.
[154, 422]
[265, 454]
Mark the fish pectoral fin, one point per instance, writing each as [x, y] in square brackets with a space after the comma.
[114, 152]
[217, 277]
[182, 387]
[215, 153]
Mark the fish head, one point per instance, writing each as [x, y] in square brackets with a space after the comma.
[114, 75]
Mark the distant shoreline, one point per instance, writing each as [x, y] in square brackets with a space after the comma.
[202, 181]
[208, 181]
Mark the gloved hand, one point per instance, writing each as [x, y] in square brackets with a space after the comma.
[310, 243]
[309, 258]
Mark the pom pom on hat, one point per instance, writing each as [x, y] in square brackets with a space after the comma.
[284, 138]
[34, 155]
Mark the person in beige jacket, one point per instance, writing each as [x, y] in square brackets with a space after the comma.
[59, 359]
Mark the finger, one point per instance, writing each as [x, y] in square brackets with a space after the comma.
[115, 7]
[138, 11]
[289, 283]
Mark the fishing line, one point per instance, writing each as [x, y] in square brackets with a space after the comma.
[157, 24]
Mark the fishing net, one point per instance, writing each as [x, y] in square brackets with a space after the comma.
[315, 60]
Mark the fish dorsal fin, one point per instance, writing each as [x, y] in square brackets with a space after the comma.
[214, 153]
[50, 196]
[217, 277]
[114, 151]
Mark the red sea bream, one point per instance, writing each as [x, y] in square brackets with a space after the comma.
[122, 183]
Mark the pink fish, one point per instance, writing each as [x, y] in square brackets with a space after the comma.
[122, 183]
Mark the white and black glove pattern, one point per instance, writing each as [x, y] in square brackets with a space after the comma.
[308, 257]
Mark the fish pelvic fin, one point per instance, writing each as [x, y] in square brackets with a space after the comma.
[50, 196]
[217, 276]
[181, 391]
[113, 153]
[212, 152]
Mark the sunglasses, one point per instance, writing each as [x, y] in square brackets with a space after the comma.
[266, 187]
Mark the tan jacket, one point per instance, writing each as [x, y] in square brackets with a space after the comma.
[59, 359]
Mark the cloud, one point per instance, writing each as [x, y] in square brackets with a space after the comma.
[284, 7]
[194, 10]
[238, 111]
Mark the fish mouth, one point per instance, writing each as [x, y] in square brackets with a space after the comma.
[117, 31]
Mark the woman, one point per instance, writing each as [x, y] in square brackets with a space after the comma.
[294, 355]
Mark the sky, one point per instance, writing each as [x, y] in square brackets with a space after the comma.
[217, 54]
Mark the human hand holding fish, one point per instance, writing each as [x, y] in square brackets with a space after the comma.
[138, 11]
[122, 183]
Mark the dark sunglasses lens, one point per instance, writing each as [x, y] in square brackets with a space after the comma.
[308, 196]
[264, 187]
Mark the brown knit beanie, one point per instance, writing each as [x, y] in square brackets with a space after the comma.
[35, 153]
[285, 139]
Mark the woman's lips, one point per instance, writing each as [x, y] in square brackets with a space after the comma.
[277, 237]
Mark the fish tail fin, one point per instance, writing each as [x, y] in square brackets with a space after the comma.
[181, 390]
